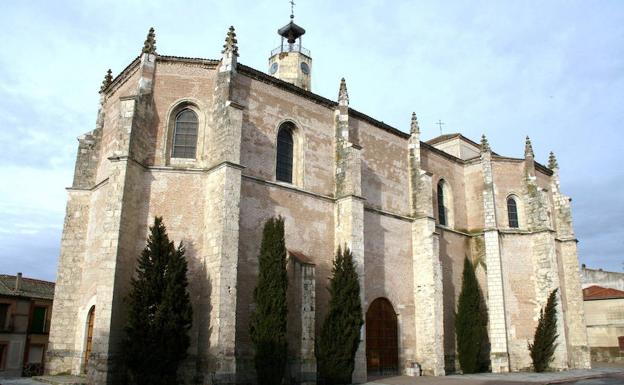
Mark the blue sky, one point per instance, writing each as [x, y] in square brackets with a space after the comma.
[552, 70]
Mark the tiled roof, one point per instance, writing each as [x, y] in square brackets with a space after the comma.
[32, 288]
[599, 292]
[300, 257]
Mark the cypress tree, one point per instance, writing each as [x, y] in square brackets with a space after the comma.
[340, 332]
[471, 324]
[268, 321]
[544, 342]
[160, 312]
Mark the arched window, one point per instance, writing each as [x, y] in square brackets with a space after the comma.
[285, 144]
[512, 212]
[185, 134]
[441, 208]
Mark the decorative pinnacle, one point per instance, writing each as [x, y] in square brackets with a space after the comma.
[552, 161]
[343, 95]
[528, 148]
[485, 146]
[108, 79]
[414, 128]
[149, 46]
[230, 42]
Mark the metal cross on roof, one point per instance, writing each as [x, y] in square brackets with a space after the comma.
[292, 9]
[440, 123]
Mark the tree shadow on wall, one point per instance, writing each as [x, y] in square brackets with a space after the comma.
[199, 361]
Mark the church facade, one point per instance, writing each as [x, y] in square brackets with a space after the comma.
[217, 148]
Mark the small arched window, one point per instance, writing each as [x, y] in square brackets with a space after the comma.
[441, 208]
[185, 134]
[285, 144]
[512, 212]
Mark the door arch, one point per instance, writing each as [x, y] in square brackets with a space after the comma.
[382, 336]
[89, 338]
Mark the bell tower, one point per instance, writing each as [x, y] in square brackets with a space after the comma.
[291, 62]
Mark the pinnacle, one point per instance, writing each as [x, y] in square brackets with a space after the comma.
[414, 128]
[552, 161]
[485, 146]
[149, 46]
[108, 79]
[528, 148]
[342, 93]
[231, 42]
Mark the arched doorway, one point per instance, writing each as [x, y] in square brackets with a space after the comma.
[89, 340]
[382, 336]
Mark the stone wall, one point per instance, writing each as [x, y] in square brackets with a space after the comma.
[599, 277]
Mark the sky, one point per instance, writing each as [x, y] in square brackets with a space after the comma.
[553, 70]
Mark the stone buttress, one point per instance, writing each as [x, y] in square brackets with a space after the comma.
[222, 213]
[116, 234]
[427, 269]
[62, 354]
[349, 209]
[499, 354]
[570, 281]
[545, 266]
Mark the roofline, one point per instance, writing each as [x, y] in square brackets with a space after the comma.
[31, 279]
[266, 78]
[602, 271]
[263, 77]
[601, 299]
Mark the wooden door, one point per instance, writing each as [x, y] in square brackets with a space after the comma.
[89, 342]
[382, 349]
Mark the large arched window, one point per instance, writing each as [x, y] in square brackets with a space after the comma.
[442, 218]
[285, 144]
[512, 212]
[185, 134]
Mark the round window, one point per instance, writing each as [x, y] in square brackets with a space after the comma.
[305, 68]
[273, 68]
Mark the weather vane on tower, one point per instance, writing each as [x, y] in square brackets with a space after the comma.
[292, 9]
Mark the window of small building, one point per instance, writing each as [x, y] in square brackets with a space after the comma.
[185, 134]
[441, 208]
[4, 349]
[512, 213]
[285, 145]
[4, 316]
[35, 354]
[38, 322]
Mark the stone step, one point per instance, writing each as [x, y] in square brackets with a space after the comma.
[62, 380]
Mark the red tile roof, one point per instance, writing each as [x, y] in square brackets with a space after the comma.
[599, 292]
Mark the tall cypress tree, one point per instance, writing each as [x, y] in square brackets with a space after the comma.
[340, 332]
[471, 324]
[268, 321]
[544, 342]
[160, 312]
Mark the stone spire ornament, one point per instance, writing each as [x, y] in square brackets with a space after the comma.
[230, 42]
[485, 146]
[108, 79]
[343, 95]
[414, 128]
[528, 148]
[552, 161]
[149, 46]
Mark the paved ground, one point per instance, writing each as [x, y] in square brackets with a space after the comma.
[608, 376]
[603, 375]
[613, 379]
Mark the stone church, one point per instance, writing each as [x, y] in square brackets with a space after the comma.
[217, 148]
